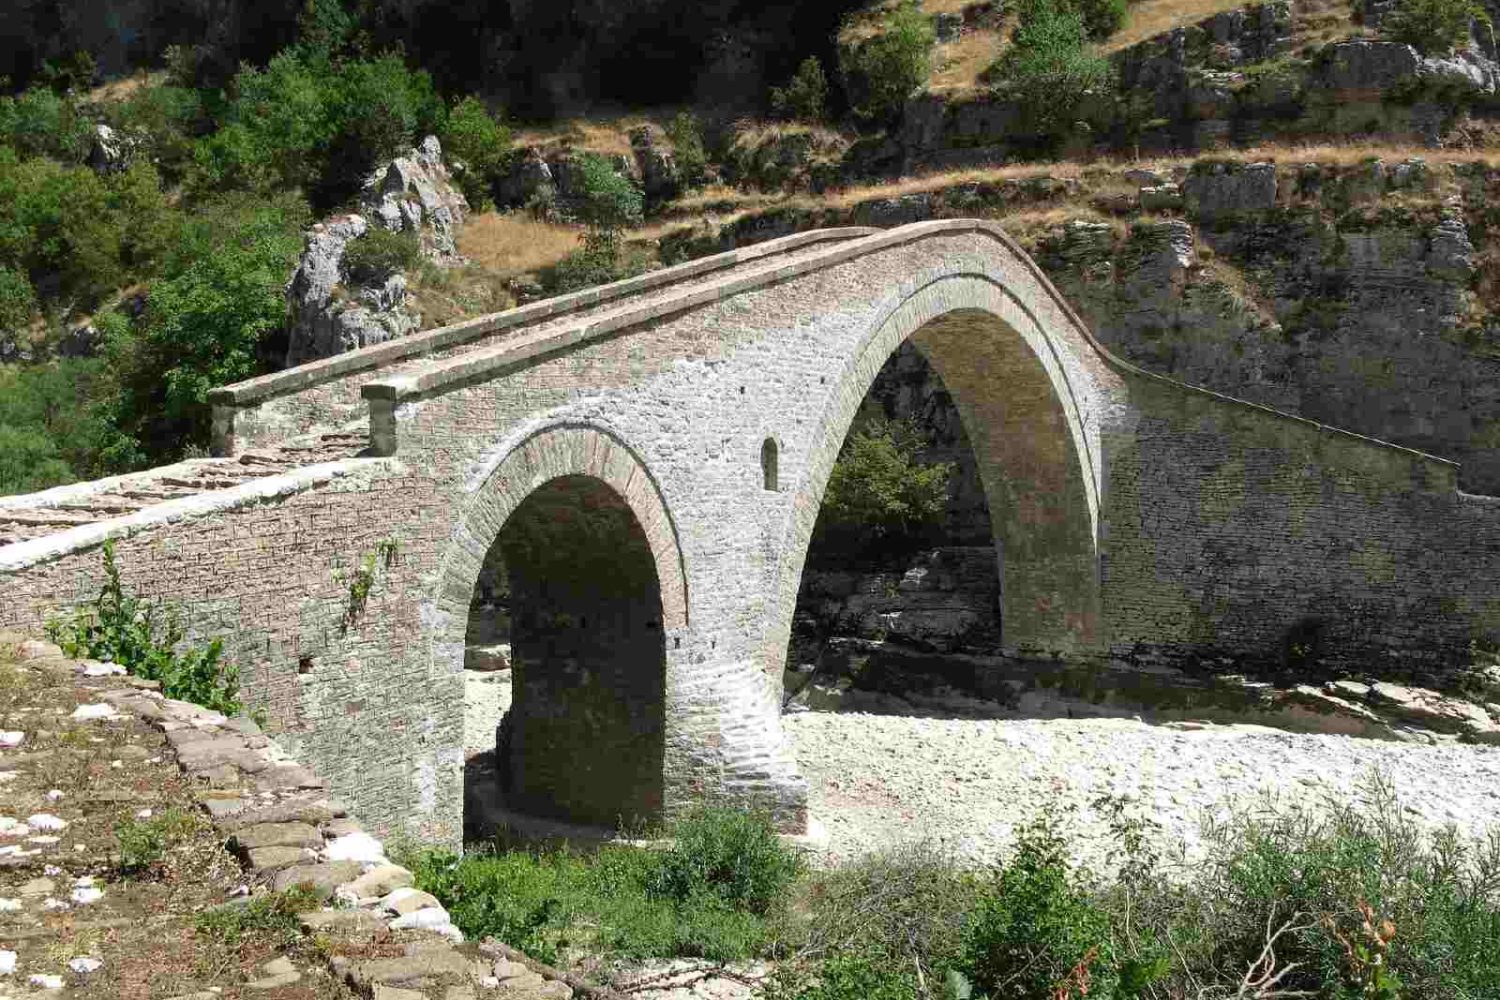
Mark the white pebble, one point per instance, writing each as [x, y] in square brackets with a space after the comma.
[46, 821]
[53, 904]
[100, 710]
[83, 897]
[13, 827]
[143, 814]
[7, 963]
[54, 795]
[358, 846]
[84, 964]
[9, 738]
[9, 905]
[102, 669]
[426, 919]
[46, 981]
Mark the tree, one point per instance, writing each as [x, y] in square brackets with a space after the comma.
[1050, 71]
[805, 96]
[879, 488]
[1435, 26]
[880, 71]
[475, 139]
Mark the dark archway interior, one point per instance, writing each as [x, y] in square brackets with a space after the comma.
[873, 601]
[571, 582]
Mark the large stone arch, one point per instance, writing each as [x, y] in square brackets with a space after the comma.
[578, 731]
[1024, 402]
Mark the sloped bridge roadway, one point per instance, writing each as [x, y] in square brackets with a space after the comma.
[644, 464]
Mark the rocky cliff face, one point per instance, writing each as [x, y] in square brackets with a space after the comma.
[333, 312]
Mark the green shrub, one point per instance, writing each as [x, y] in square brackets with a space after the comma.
[805, 97]
[847, 977]
[145, 640]
[58, 226]
[17, 300]
[1101, 18]
[687, 149]
[51, 432]
[1037, 934]
[878, 487]
[882, 69]
[38, 122]
[143, 843]
[545, 904]
[381, 252]
[474, 138]
[730, 855]
[1051, 72]
[1434, 26]
[610, 200]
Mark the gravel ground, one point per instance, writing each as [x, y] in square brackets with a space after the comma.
[971, 783]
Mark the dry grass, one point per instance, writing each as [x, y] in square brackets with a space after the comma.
[512, 243]
[606, 136]
[946, 6]
[958, 65]
[113, 91]
[1149, 18]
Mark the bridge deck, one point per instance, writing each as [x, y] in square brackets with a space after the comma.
[38, 515]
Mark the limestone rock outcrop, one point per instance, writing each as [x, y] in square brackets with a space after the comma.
[328, 317]
[415, 193]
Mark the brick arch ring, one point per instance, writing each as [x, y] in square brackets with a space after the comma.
[543, 456]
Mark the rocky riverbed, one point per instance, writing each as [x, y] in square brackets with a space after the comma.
[971, 783]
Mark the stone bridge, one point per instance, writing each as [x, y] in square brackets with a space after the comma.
[649, 457]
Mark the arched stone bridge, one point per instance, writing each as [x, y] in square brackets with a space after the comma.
[650, 457]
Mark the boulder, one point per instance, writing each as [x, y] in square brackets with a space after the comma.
[530, 179]
[654, 162]
[112, 151]
[1224, 189]
[1450, 254]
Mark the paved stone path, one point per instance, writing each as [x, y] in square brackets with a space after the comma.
[880, 779]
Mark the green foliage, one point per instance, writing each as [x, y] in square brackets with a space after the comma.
[144, 842]
[474, 138]
[310, 121]
[847, 977]
[1036, 934]
[165, 120]
[49, 432]
[59, 227]
[611, 201]
[17, 300]
[805, 97]
[205, 320]
[1051, 72]
[38, 122]
[363, 579]
[880, 71]
[379, 253]
[879, 487]
[1434, 26]
[1101, 18]
[271, 916]
[145, 640]
[687, 149]
[546, 904]
[729, 855]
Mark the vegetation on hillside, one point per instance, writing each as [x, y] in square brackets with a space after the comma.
[1330, 900]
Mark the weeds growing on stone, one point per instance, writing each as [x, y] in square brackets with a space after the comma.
[144, 842]
[272, 916]
[147, 641]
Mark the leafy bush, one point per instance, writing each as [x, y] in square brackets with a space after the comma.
[846, 977]
[1101, 18]
[17, 300]
[143, 639]
[50, 431]
[730, 855]
[687, 149]
[206, 320]
[610, 200]
[58, 226]
[379, 253]
[1036, 934]
[38, 122]
[474, 138]
[881, 70]
[879, 488]
[805, 97]
[1434, 26]
[144, 842]
[1051, 72]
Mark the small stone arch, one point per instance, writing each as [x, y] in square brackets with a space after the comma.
[1025, 409]
[597, 592]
